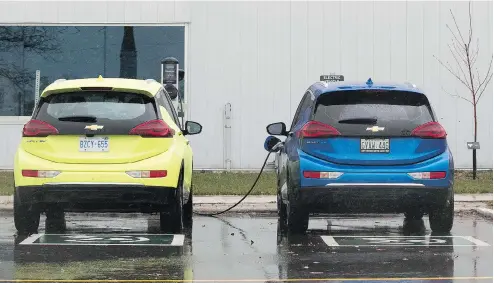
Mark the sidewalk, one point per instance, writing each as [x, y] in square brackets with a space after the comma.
[267, 204]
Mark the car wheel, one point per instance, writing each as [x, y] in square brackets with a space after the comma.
[188, 208]
[55, 220]
[297, 219]
[441, 217]
[171, 220]
[282, 212]
[26, 217]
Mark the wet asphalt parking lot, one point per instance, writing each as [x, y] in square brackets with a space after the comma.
[248, 248]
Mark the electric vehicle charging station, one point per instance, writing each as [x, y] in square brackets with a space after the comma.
[171, 75]
[272, 144]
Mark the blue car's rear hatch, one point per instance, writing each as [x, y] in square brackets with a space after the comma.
[373, 127]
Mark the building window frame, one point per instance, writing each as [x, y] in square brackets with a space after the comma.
[20, 120]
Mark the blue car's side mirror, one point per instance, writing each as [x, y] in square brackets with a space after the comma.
[270, 143]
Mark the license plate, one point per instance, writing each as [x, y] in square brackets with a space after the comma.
[94, 144]
[374, 145]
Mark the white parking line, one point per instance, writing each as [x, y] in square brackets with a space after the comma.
[330, 241]
[156, 240]
[30, 240]
[178, 240]
[400, 241]
[475, 241]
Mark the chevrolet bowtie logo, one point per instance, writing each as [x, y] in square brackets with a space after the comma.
[93, 127]
[375, 129]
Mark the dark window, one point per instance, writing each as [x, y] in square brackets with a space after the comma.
[167, 104]
[109, 109]
[302, 108]
[398, 111]
[79, 52]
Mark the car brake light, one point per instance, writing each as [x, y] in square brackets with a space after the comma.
[431, 130]
[153, 128]
[40, 173]
[314, 129]
[321, 175]
[37, 128]
[147, 174]
[428, 175]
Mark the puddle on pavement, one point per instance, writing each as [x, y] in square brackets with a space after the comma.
[252, 247]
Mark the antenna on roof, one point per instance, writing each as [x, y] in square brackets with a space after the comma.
[369, 82]
[410, 84]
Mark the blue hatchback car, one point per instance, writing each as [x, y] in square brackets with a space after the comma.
[363, 148]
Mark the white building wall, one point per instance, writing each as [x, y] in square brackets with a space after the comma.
[262, 56]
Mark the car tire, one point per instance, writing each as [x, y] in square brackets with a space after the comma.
[55, 220]
[26, 217]
[282, 212]
[189, 208]
[297, 219]
[171, 220]
[441, 217]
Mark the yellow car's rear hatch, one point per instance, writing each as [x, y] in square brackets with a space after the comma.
[96, 126]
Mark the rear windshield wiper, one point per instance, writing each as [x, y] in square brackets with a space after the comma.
[365, 121]
[90, 119]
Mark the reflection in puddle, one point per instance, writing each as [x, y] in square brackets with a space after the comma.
[102, 254]
[224, 246]
[355, 253]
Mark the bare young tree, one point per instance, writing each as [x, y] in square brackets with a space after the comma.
[467, 72]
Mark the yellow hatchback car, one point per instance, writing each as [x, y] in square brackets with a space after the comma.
[104, 145]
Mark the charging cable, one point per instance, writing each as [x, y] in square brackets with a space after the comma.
[275, 148]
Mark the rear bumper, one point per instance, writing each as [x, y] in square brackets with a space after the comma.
[96, 197]
[371, 198]
[98, 173]
[378, 174]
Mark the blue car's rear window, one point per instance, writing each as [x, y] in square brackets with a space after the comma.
[349, 111]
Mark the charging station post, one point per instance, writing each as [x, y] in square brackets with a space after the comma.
[170, 77]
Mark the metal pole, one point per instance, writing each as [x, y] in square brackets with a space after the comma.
[474, 159]
[36, 89]
[161, 81]
[227, 136]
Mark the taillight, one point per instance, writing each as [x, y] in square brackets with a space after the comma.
[40, 173]
[153, 128]
[37, 128]
[321, 175]
[428, 175]
[314, 129]
[431, 130]
[147, 174]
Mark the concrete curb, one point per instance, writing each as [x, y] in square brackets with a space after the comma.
[484, 212]
[267, 204]
[6, 199]
[229, 200]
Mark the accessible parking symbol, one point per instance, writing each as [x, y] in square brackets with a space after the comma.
[105, 240]
[429, 241]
